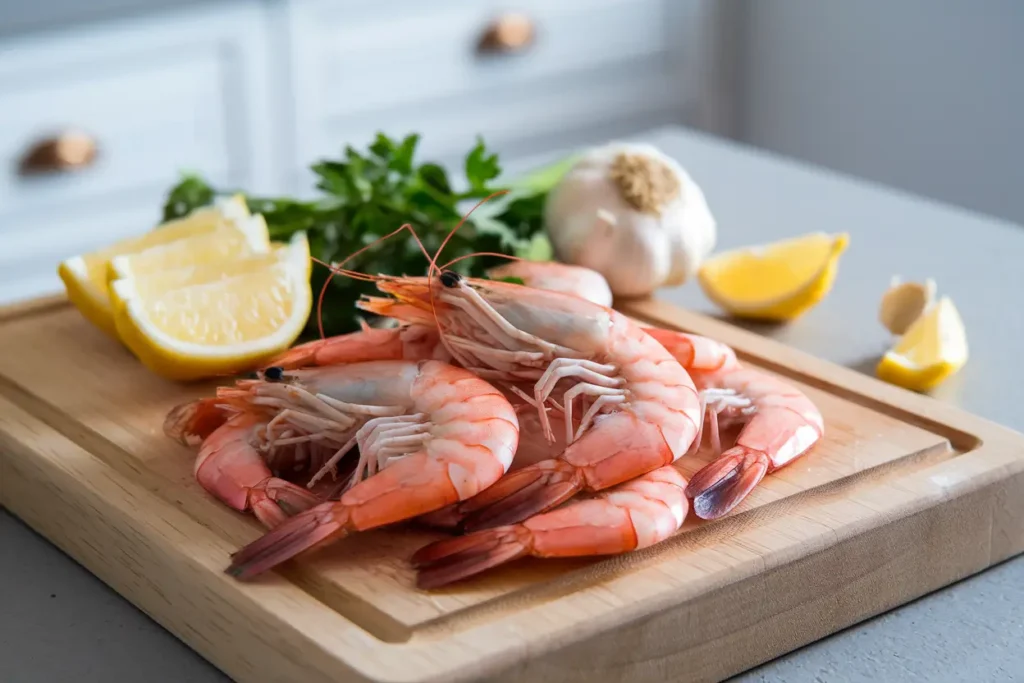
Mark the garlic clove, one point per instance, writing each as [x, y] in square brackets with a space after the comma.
[904, 302]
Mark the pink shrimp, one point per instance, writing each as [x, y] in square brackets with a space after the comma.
[429, 434]
[191, 422]
[557, 277]
[231, 468]
[636, 514]
[640, 409]
[780, 423]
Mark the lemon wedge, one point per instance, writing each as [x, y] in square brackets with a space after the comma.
[930, 351]
[216, 325]
[225, 241]
[777, 281]
[149, 285]
[85, 276]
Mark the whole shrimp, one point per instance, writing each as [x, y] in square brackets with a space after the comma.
[630, 516]
[429, 434]
[628, 407]
[192, 422]
[780, 423]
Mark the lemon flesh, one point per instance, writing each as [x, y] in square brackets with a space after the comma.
[778, 281]
[225, 241]
[216, 325]
[85, 276]
[152, 284]
[929, 352]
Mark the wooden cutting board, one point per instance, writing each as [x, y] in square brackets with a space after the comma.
[905, 495]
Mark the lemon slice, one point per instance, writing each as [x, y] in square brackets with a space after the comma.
[217, 325]
[777, 281]
[239, 239]
[930, 351]
[149, 285]
[85, 276]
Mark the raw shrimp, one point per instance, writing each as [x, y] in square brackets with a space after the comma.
[190, 423]
[429, 434]
[231, 468]
[627, 517]
[779, 422]
[638, 408]
[557, 277]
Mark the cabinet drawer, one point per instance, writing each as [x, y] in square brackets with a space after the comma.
[32, 251]
[554, 116]
[409, 53]
[156, 97]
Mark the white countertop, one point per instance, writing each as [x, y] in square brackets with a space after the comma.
[59, 623]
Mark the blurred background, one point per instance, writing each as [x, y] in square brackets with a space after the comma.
[106, 102]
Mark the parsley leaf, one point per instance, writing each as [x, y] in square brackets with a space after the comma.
[367, 194]
[481, 168]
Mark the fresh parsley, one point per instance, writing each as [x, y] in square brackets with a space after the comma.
[366, 195]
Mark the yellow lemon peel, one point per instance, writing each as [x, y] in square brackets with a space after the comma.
[778, 281]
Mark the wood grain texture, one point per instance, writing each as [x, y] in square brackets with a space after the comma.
[905, 495]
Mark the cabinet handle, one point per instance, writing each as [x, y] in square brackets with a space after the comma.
[68, 151]
[508, 33]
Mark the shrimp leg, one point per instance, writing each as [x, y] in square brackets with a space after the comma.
[627, 517]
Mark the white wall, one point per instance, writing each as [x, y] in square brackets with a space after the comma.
[926, 95]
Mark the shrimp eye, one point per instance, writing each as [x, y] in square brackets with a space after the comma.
[450, 279]
[274, 374]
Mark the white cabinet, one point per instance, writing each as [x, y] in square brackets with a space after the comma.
[593, 69]
[154, 97]
[249, 94]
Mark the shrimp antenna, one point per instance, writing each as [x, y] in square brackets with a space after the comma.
[433, 264]
[338, 270]
[462, 221]
[482, 253]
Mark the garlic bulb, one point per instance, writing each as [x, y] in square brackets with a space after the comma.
[632, 214]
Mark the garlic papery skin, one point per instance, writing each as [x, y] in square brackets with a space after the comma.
[633, 214]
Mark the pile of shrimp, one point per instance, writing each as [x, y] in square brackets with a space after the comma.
[526, 419]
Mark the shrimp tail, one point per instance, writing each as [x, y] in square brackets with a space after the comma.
[721, 484]
[522, 494]
[275, 500]
[454, 559]
[307, 530]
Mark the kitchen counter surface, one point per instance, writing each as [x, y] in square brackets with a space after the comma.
[59, 623]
